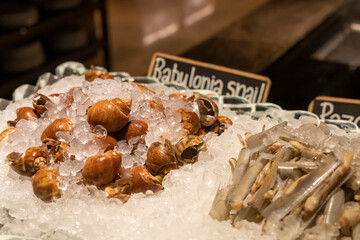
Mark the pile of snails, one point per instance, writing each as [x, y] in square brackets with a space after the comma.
[105, 170]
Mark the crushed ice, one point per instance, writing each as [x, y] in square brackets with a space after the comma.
[180, 211]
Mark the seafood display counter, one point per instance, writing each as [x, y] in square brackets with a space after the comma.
[88, 154]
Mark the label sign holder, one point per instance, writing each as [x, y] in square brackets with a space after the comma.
[336, 108]
[199, 75]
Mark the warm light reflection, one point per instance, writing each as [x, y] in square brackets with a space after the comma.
[162, 33]
[355, 27]
[199, 14]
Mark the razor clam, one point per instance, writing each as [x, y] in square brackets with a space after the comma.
[241, 165]
[282, 188]
[284, 154]
[306, 151]
[305, 186]
[238, 192]
[232, 162]
[260, 177]
[261, 140]
[350, 216]
[356, 231]
[333, 208]
[220, 210]
[290, 166]
[323, 190]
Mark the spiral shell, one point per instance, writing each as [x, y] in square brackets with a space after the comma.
[5, 134]
[45, 184]
[221, 124]
[112, 115]
[141, 180]
[179, 96]
[39, 101]
[106, 143]
[59, 125]
[101, 169]
[23, 113]
[188, 148]
[161, 158]
[190, 122]
[59, 151]
[209, 110]
[134, 129]
[93, 74]
[141, 87]
[34, 158]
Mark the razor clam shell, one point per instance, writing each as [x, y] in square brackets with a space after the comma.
[305, 166]
[350, 216]
[356, 231]
[284, 154]
[282, 206]
[238, 192]
[306, 151]
[322, 191]
[333, 208]
[220, 210]
[259, 141]
[241, 166]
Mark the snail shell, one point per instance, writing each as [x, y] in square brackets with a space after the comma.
[141, 179]
[39, 100]
[106, 143]
[33, 159]
[134, 129]
[180, 96]
[5, 134]
[209, 110]
[58, 151]
[59, 125]
[101, 169]
[161, 158]
[221, 124]
[45, 184]
[157, 105]
[112, 115]
[93, 74]
[190, 122]
[188, 148]
[26, 113]
[23, 113]
[141, 87]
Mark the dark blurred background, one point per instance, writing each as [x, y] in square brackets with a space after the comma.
[307, 48]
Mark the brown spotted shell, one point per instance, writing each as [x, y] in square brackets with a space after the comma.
[141, 179]
[23, 113]
[134, 129]
[39, 100]
[59, 151]
[156, 105]
[179, 96]
[4, 136]
[190, 122]
[101, 169]
[209, 110]
[141, 87]
[112, 115]
[106, 143]
[32, 160]
[188, 148]
[26, 113]
[93, 74]
[45, 184]
[59, 125]
[221, 124]
[161, 158]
